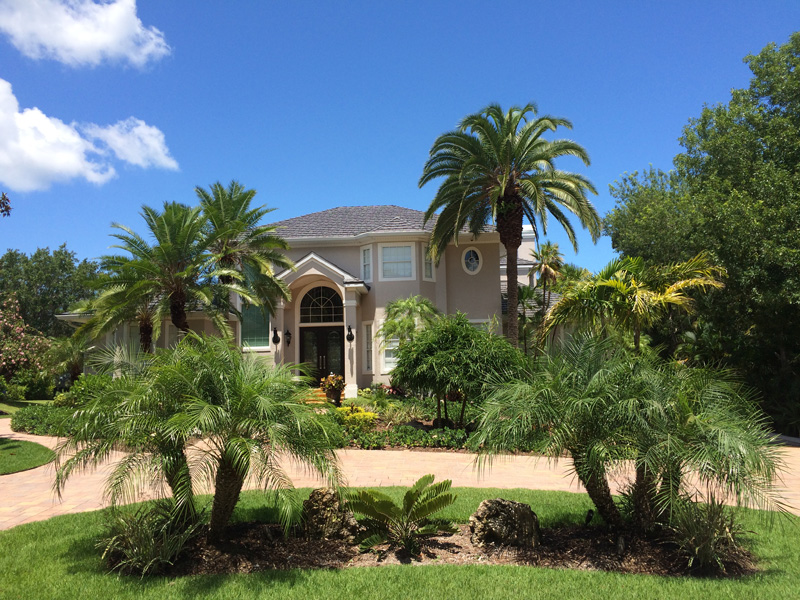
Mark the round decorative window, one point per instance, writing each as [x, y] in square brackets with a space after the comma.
[471, 261]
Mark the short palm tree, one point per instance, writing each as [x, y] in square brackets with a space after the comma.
[549, 262]
[240, 242]
[406, 316]
[632, 295]
[497, 167]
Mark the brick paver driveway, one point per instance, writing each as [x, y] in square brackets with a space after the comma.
[28, 496]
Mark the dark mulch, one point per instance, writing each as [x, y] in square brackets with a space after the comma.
[250, 547]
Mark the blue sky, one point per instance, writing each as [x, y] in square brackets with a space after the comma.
[105, 107]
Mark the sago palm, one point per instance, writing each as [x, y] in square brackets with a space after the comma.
[498, 167]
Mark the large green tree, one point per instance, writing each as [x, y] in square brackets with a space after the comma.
[736, 193]
[498, 167]
[45, 284]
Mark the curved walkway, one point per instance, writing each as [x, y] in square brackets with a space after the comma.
[28, 496]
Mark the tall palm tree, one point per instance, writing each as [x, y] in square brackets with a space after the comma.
[549, 262]
[238, 241]
[632, 295]
[177, 269]
[497, 167]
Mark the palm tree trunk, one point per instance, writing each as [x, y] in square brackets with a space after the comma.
[509, 226]
[599, 491]
[513, 295]
[177, 310]
[176, 472]
[644, 488]
[146, 336]
[227, 487]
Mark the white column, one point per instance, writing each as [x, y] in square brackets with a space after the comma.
[277, 322]
[351, 362]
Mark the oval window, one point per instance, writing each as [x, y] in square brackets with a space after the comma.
[472, 261]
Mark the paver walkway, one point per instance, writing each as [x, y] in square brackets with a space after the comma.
[28, 496]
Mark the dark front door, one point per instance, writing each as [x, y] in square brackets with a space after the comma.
[322, 348]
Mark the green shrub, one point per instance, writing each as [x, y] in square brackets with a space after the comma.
[44, 419]
[37, 385]
[83, 389]
[707, 534]
[11, 392]
[354, 418]
[145, 541]
[404, 524]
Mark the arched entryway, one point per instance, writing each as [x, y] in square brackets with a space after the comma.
[322, 331]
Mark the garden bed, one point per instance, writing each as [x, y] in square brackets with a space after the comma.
[253, 547]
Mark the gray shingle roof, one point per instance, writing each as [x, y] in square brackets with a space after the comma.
[347, 221]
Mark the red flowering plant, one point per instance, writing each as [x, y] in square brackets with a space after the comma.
[21, 346]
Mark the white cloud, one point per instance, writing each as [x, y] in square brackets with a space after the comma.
[37, 151]
[81, 32]
[135, 142]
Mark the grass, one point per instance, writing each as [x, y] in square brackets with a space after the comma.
[17, 455]
[10, 407]
[56, 559]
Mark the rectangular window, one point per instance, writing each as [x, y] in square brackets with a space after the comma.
[255, 328]
[366, 264]
[397, 261]
[368, 347]
[427, 273]
[390, 354]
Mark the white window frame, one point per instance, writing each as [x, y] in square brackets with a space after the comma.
[364, 278]
[425, 261]
[480, 260]
[390, 344]
[413, 261]
[369, 347]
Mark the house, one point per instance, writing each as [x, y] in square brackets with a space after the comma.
[351, 261]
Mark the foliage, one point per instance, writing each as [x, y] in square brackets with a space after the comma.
[631, 294]
[332, 383]
[355, 419]
[5, 205]
[548, 264]
[11, 392]
[44, 419]
[19, 455]
[403, 524]
[145, 540]
[451, 360]
[707, 534]
[46, 284]
[406, 316]
[21, 346]
[67, 355]
[685, 429]
[736, 193]
[86, 387]
[36, 384]
[498, 167]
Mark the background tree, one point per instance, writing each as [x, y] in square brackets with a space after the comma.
[21, 347]
[46, 284]
[549, 262]
[736, 193]
[5, 205]
[498, 167]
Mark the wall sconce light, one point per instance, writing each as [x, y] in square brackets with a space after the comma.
[350, 336]
[276, 339]
[288, 336]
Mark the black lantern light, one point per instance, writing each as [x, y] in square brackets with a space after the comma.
[276, 339]
[288, 335]
[350, 335]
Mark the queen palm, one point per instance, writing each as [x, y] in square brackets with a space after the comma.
[239, 242]
[632, 295]
[497, 167]
[549, 262]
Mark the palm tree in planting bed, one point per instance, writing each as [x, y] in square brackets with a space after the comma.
[497, 167]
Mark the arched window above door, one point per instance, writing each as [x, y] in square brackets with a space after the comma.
[321, 305]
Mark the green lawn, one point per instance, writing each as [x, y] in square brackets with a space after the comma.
[17, 455]
[11, 407]
[57, 559]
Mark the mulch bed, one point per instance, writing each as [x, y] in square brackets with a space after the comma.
[251, 547]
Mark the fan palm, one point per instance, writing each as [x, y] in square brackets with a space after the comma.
[497, 167]
[632, 295]
[239, 242]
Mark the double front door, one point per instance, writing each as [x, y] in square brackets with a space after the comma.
[322, 348]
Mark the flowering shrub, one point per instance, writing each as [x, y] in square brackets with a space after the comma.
[332, 383]
[21, 347]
